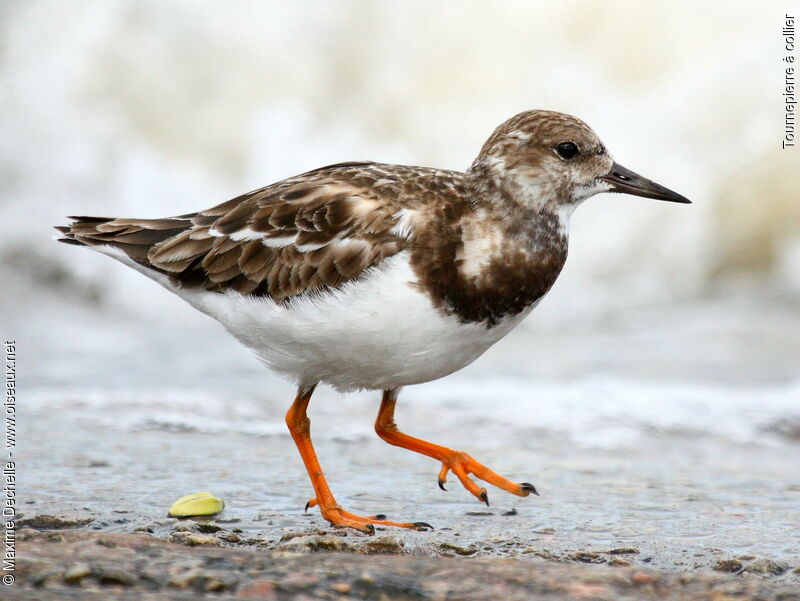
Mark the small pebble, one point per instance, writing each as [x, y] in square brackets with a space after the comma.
[341, 587]
[643, 578]
[76, 572]
[767, 566]
[52, 522]
[316, 543]
[586, 557]
[728, 565]
[457, 549]
[194, 539]
[383, 544]
[229, 537]
[263, 590]
[112, 575]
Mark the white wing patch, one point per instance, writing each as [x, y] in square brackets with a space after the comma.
[304, 248]
[278, 242]
[350, 244]
[405, 222]
[243, 235]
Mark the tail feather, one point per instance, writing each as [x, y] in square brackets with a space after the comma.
[135, 237]
[70, 241]
[87, 219]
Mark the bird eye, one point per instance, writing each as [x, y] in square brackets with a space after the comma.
[567, 150]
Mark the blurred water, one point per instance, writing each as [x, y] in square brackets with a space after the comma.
[148, 108]
[588, 414]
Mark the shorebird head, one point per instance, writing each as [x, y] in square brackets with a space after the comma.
[554, 161]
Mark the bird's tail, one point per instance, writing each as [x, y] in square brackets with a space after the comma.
[135, 237]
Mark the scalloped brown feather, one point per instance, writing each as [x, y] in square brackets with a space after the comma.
[480, 246]
[308, 233]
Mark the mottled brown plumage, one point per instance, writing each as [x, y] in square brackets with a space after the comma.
[309, 233]
[314, 232]
[318, 230]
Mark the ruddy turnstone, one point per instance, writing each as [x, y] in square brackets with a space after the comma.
[373, 276]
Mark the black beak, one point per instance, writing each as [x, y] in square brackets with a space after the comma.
[627, 182]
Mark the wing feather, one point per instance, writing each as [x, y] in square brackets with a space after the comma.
[310, 233]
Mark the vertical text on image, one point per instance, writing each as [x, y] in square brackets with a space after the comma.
[9, 494]
[790, 99]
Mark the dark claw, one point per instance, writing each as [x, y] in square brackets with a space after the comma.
[380, 516]
[441, 485]
[423, 526]
[528, 488]
[306, 509]
[485, 498]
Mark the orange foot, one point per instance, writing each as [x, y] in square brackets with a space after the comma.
[344, 519]
[458, 462]
[300, 429]
[461, 464]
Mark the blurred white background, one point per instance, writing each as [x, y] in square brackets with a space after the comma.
[153, 108]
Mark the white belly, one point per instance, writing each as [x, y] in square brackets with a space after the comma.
[376, 333]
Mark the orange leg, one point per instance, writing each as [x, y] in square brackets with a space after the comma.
[458, 462]
[300, 429]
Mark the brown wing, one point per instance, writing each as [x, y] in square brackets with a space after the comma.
[311, 232]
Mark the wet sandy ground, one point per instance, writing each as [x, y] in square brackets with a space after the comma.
[692, 480]
[664, 506]
[85, 565]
